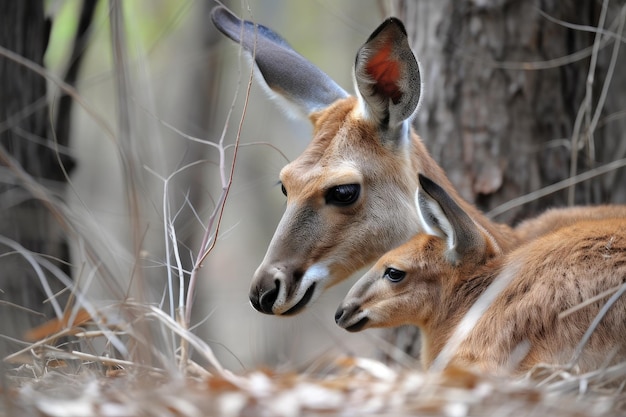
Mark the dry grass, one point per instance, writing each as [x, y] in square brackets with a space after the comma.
[50, 382]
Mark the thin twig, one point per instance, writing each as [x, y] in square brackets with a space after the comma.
[584, 28]
[550, 63]
[585, 109]
[609, 73]
[587, 302]
[592, 327]
[189, 337]
[473, 315]
[29, 257]
[204, 250]
[67, 89]
[125, 142]
[535, 195]
[210, 235]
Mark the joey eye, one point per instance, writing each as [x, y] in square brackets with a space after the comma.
[283, 189]
[343, 195]
[394, 275]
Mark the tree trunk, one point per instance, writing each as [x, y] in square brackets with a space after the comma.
[26, 142]
[505, 82]
[508, 109]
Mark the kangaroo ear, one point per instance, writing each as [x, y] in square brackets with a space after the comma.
[441, 216]
[285, 72]
[387, 76]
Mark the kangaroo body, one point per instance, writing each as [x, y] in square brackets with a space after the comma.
[516, 300]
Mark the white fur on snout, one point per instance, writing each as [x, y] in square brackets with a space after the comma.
[316, 274]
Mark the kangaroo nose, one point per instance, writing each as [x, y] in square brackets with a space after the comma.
[263, 298]
[338, 314]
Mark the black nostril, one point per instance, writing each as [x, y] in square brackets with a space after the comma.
[297, 275]
[268, 298]
[338, 314]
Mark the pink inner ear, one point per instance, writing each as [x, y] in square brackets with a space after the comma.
[386, 73]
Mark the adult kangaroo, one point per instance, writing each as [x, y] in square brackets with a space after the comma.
[350, 193]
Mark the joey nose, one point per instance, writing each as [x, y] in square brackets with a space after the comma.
[339, 314]
[263, 298]
[351, 317]
[344, 313]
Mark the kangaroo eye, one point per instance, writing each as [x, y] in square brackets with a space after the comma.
[343, 195]
[394, 275]
[283, 189]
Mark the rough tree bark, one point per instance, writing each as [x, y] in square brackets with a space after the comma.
[509, 107]
[501, 106]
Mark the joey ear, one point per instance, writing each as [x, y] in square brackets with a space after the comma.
[285, 72]
[441, 216]
[387, 75]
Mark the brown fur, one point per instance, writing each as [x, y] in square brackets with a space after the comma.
[385, 217]
[351, 238]
[549, 275]
[365, 142]
[556, 218]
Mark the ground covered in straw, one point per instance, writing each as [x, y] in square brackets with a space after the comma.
[70, 386]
